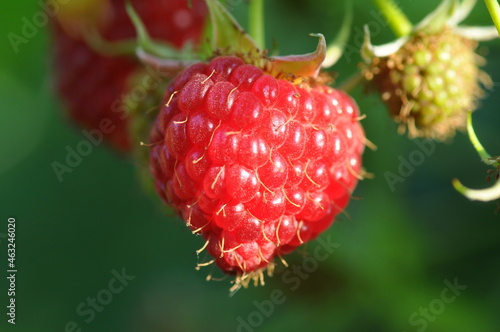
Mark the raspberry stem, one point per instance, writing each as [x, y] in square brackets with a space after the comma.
[485, 157]
[157, 54]
[494, 9]
[485, 195]
[395, 17]
[256, 22]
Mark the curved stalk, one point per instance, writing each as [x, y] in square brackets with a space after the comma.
[494, 9]
[394, 16]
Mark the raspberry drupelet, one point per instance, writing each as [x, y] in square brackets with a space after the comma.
[253, 163]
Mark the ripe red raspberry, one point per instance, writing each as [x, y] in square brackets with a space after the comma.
[91, 84]
[255, 164]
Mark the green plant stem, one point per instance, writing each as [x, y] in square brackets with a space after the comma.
[256, 22]
[485, 195]
[485, 156]
[393, 15]
[494, 9]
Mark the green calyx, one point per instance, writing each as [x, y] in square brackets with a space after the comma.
[229, 38]
[447, 16]
[158, 54]
[226, 37]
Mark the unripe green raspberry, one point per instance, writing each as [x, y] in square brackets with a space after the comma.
[430, 83]
[430, 78]
[142, 106]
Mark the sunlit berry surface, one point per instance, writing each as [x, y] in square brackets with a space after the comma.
[256, 165]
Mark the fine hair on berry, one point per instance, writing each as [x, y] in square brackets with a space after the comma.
[255, 164]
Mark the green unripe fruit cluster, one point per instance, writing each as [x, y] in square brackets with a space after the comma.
[430, 83]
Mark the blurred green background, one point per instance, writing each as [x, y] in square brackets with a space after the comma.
[395, 249]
